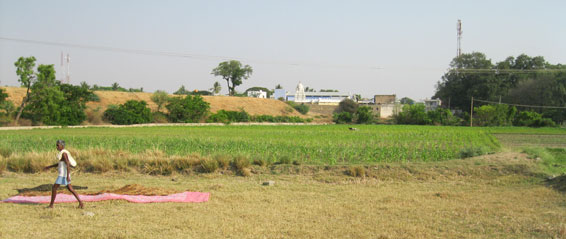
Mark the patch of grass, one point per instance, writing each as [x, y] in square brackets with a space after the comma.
[551, 160]
[223, 161]
[473, 152]
[356, 171]
[5, 152]
[209, 165]
[241, 165]
[284, 159]
[260, 162]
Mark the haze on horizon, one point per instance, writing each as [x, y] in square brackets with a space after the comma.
[362, 47]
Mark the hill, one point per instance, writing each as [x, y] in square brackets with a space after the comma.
[253, 106]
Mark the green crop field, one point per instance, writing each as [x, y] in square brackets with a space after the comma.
[321, 144]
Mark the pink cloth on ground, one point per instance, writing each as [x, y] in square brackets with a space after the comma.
[62, 198]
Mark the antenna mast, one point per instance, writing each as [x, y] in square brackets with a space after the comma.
[459, 29]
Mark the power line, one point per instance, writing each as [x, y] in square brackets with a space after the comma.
[178, 54]
[529, 106]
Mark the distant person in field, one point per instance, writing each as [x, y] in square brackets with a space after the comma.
[64, 177]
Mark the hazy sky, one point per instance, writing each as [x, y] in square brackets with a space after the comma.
[364, 47]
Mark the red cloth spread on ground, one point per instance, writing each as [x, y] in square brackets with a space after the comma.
[62, 198]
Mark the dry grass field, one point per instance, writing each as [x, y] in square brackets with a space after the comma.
[494, 196]
[253, 106]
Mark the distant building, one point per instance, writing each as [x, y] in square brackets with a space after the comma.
[257, 94]
[323, 98]
[386, 106]
[432, 104]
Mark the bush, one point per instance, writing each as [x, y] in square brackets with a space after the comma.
[364, 115]
[190, 109]
[241, 164]
[223, 116]
[302, 108]
[347, 105]
[412, 114]
[223, 161]
[357, 171]
[131, 112]
[209, 165]
[159, 117]
[342, 118]
[532, 119]
[473, 151]
[494, 115]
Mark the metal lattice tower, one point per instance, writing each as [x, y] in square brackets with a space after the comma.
[459, 29]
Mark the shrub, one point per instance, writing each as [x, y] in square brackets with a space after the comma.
[473, 151]
[412, 114]
[494, 115]
[342, 118]
[241, 164]
[302, 108]
[224, 116]
[131, 112]
[357, 171]
[209, 165]
[532, 119]
[190, 109]
[159, 117]
[223, 161]
[347, 105]
[364, 115]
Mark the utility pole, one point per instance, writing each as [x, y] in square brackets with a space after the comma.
[472, 113]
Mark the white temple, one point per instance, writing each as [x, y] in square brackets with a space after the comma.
[300, 93]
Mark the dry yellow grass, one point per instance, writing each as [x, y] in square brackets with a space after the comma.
[253, 106]
[487, 197]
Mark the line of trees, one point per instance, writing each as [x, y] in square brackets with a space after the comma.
[517, 80]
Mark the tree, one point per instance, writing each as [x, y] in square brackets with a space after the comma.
[73, 106]
[46, 98]
[115, 86]
[24, 69]
[407, 101]
[131, 112]
[216, 88]
[160, 98]
[278, 86]
[347, 105]
[364, 115]
[190, 109]
[233, 72]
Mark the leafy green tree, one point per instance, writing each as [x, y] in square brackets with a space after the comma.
[494, 115]
[342, 117]
[131, 112]
[190, 109]
[278, 86]
[412, 114]
[347, 105]
[46, 98]
[470, 75]
[3, 95]
[74, 105]
[160, 98]
[233, 72]
[115, 86]
[364, 115]
[407, 101]
[25, 72]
